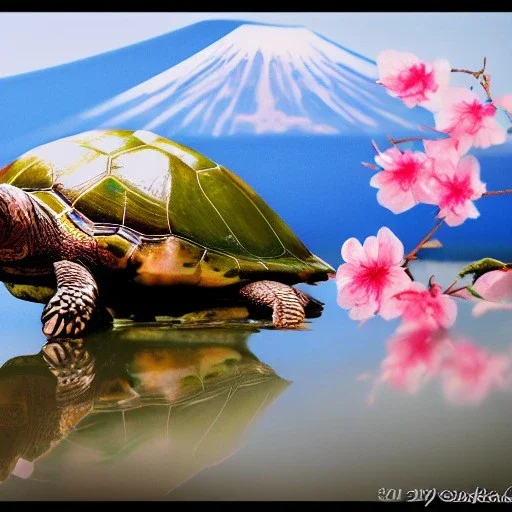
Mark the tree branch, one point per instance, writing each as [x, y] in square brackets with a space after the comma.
[425, 239]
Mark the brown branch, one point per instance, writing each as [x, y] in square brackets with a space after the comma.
[452, 292]
[426, 238]
[370, 166]
[400, 141]
[450, 288]
[497, 192]
[409, 273]
[484, 79]
[476, 74]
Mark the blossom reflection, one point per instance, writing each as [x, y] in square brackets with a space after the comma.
[466, 371]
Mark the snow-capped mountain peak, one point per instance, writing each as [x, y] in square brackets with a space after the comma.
[259, 79]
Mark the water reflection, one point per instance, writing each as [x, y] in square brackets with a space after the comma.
[467, 372]
[130, 413]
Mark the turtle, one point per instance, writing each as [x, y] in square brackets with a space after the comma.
[83, 213]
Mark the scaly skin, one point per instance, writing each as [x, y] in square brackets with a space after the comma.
[33, 242]
[286, 302]
[30, 237]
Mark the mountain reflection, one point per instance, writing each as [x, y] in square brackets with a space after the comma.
[466, 371]
[129, 413]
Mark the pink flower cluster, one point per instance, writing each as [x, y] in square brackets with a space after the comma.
[468, 372]
[374, 278]
[407, 77]
[440, 175]
[457, 111]
[373, 281]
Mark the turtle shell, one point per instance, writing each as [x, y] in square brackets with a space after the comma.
[141, 187]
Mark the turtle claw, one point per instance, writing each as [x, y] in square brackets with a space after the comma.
[287, 303]
[67, 313]
[57, 325]
[72, 307]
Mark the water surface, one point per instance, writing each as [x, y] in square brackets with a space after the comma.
[248, 412]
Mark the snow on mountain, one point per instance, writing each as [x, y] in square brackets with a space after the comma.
[260, 79]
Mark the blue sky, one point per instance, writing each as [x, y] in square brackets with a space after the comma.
[39, 40]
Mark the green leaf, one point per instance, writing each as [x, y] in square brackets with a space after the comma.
[473, 292]
[480, 267]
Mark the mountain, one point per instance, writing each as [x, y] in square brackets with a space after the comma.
[32, 102]
[261, 79]
[213, 78]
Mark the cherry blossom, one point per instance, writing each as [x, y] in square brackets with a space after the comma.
[371, 275]
[402, 182]
[496, 289]
[443, 151]
[407, 77]
[472, 372]
[460, 113]
[504, 102]
[423, 307]
[454, 187]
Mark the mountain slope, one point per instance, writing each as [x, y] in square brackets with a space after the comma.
[261, 79]
[32, 100]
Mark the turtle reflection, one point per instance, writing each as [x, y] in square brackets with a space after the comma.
[130, 413]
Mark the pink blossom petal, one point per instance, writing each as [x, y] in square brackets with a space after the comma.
[453, 189]
[372, 275]
[388, 157]
[352, 250]
[396, 200]
[457, 215]
[398, 281]
[496, 289]
[448, 98]
[468, 120]
[464, 142]
[401, 183]
[371, 247]
[470, 211]
[442, 150]
[443, 72]
[448, 313]
[504, 102]
[495, 285]
[492, 133]
[391, 249]
[348, 294]
[391, 62]
[484, 306]
[364, 311]
[405, 76]
[421, 307]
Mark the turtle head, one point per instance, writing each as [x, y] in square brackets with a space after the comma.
[18, 214]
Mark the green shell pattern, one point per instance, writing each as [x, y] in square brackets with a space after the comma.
[136, 187]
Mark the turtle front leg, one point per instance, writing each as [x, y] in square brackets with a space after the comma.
[73, 305]
[286, 302]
